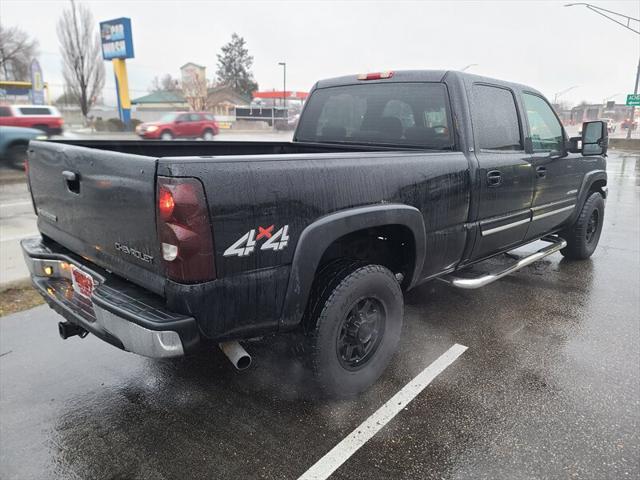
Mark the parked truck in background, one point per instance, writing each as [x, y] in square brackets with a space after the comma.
[392, 179]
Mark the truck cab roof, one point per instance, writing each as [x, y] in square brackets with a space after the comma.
[422, 76]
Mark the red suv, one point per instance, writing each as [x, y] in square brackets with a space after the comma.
[180, 125]
[41, 117]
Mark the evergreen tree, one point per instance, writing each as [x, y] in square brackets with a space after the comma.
[234, 67]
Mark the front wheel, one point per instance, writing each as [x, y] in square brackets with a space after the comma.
[166, 135]
[353, 328]
[17, 156]
[582, 238]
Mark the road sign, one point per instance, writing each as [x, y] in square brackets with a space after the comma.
[633, 100]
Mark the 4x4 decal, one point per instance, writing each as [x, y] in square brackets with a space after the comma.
[246, 244]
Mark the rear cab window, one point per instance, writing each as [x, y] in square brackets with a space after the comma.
[494, 115]
[5, 112]
[394, 114]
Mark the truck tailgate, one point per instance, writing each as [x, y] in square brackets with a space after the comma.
[100, 205]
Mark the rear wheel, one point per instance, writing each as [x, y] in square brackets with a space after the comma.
[208, 135]
[166, 135]
[43, 128]
[582, 238]
[17, 156]
[353, 327]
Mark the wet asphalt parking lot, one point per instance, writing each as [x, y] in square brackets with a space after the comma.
[549, 387]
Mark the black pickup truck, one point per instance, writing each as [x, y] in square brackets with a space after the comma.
[392, 179]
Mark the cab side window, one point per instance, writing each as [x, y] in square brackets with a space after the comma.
[183, 117]
[495, 119]
[546, 131]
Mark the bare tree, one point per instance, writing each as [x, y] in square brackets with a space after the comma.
[17, 51]
[166, 83]
[194, 89]
[83, 68]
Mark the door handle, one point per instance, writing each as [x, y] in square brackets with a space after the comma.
[541, 172]
[72, 180]
[494, 178]
[70, 176]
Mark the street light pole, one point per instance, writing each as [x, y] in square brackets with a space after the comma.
[284, 87]
[468, 66]
[559, 94]
[619, 20]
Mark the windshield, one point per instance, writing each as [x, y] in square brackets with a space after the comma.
[406, 114]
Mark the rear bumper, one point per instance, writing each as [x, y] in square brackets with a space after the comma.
[118, 312]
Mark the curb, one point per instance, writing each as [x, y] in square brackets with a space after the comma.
[9, 176]
[15, 284]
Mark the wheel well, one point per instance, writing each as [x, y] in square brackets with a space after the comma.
[15, 143]
[598, 186]
[392, 246]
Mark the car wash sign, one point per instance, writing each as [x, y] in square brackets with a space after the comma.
[116, 38]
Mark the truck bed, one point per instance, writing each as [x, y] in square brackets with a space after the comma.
[189, 148]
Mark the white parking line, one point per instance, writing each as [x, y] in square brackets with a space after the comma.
[372, 425]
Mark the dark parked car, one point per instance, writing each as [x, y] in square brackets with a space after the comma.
[14, 142]
[392, 179]
[180, 125]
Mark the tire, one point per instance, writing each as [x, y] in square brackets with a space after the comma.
[17, 156]
[345, 354]
[582, 238]
[44, 128]
[166, 135]
[208, 135]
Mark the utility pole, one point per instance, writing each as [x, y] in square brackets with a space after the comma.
[284, 88]
[618, 18]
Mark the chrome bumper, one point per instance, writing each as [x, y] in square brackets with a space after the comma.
[113, 313]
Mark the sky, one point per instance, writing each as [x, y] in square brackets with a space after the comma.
[539, 43]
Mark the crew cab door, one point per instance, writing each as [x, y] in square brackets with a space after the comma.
[505, 176]
[558, 175]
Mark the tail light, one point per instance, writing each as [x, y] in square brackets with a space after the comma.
[184, 230]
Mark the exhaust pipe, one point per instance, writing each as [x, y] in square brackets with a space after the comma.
[236, 354]
[67, 329]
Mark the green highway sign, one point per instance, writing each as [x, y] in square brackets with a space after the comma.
[633, 100]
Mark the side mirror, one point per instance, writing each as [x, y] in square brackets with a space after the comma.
[595, 138]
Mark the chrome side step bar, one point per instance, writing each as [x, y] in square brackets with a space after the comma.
[557, 243]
